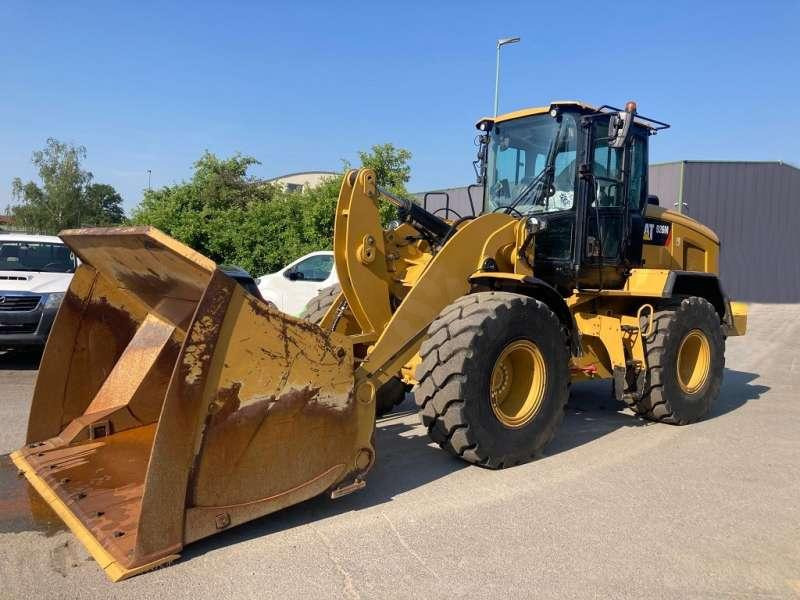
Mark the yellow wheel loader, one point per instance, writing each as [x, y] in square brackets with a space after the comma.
[172, 403]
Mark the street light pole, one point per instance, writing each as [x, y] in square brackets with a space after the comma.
[500, 43]
[149, 172]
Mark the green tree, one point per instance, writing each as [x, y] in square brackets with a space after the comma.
[66, 196]
[231, 217]
[209, 211]
[226, 184]
[103, 205]
[392, 172]
[390, 165]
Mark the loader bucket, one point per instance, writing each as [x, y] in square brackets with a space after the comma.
[171, 404]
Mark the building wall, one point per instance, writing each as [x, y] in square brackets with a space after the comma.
[300, 181]
[755, 210]
[459, 201]
[665, 182]
[754, 207]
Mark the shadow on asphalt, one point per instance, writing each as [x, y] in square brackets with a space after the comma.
[591, 412]
[20, 360]
[407, 459]
[737, 390]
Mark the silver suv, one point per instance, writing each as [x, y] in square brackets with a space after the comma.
[35, 272]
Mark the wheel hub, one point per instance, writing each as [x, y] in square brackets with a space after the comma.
[517, 384]
[694, 361]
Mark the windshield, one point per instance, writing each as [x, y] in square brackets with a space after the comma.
[531, 164]
[36, 256]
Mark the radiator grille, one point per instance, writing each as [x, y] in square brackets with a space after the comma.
[18, 303]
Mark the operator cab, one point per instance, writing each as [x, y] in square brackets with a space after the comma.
[581, 173]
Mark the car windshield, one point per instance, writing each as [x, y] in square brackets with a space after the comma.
[531, 164]
[36, 256]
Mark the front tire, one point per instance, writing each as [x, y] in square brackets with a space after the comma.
[685, 360]
[494, 378]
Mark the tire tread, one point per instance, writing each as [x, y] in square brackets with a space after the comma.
[654, 404]
[441, 373]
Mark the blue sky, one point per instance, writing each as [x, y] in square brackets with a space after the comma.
[302, 85]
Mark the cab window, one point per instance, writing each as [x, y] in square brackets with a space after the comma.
[511, 163]
[518, 155]
[637, 191]
[606, 168]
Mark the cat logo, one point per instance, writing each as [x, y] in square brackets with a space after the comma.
[657, 232]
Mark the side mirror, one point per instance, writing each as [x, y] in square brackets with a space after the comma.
[294, 275]
[619, 126]
[653, 200]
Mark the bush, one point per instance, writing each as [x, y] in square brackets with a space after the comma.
[233, 218]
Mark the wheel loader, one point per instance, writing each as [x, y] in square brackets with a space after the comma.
[173, 404]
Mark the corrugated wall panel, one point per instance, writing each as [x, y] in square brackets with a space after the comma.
[664, 182]
[459, 201]
[755, 210]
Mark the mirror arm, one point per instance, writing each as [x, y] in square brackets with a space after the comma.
[619, 126]
[479, 164]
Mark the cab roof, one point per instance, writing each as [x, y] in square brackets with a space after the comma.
[651, 124]
[539, 110]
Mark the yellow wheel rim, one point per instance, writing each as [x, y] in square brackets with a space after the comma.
[694, 361]
[518, 381]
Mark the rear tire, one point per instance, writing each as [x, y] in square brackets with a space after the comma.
[393, 392]
[390, 394]
[686, 358]
[472, 409]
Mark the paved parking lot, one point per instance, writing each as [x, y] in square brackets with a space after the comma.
[617, 508]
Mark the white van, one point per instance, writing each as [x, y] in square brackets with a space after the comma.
[294, 286]
[35, 272]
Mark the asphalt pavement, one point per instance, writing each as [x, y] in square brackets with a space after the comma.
[617, 508]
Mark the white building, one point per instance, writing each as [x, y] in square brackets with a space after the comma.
[297, 182]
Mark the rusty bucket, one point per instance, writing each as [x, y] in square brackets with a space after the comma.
[172, 404]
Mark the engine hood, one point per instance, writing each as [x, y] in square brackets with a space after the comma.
[674, 217]
[270, 277]
[36, 282]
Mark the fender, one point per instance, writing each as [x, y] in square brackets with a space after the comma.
[534, 287]
[708, 286]
[692, 283]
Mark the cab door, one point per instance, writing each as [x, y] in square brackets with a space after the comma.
[616, 198]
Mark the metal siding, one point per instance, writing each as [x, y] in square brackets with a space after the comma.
[459, 201]
[664, 181]
[755, 210]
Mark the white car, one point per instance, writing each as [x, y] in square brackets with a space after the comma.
[294, 286]
[35, 272]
